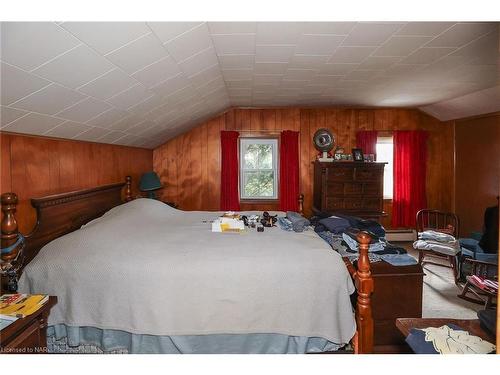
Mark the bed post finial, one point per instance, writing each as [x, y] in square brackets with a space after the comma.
[128, 189]
[301, 204]
[364, 285]
[10, 233]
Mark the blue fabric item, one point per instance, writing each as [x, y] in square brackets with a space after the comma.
[9, 249]
[399, 259]
[470, 248]
[299, 222]
[285, 224]
[333, 224]
[265, 343]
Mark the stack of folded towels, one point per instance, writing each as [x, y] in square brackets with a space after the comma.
[293, 222]
[439, 242]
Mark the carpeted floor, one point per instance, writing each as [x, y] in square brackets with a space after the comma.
[440, 293]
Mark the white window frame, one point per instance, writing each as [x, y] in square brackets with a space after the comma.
[265, 141]
[388, 140]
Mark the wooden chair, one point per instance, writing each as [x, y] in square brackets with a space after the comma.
[439, 221]
[482, 296]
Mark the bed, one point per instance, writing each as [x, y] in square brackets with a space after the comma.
[144, 277]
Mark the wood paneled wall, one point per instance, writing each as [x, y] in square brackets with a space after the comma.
[189, 165]
[38, 166]
[478, 169]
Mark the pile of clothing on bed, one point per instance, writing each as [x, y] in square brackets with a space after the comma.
[340, 232]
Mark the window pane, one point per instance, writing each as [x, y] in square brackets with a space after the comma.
[385, 154]
[258, 156]
[258, 184]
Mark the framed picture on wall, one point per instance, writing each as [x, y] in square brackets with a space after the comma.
[357, 154]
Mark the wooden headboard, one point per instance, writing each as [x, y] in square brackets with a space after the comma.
[59, 214]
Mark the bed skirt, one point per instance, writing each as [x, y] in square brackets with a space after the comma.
[91, 340]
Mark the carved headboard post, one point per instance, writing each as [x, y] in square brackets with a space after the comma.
[364, 285]
[10, 232]
[128, 188]
[301, 204]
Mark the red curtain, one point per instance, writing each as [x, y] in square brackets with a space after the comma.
[289, 171]
[367, 141]
[410, 159]
[229, 196]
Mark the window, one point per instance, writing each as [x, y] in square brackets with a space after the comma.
[385, 149]
[258, 168]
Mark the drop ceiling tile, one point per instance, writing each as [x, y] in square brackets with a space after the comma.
[461, 34]
[337, 69]
[322, 79]
[157, 72]
[292, 84]
[92, 135]
[75, 68]
[239, 83]
[171, 85]
[85, 110]
[67, 129]
[214, 85]
[335, 28]
[237, 74]
[147, 105]
[236, 61]
[238, 92]
[401, 45]
[117, 34]
[107, 118]
[267, 79]
[232, 27]
[16, 84]
[318, 44]
[205, 76]
[402, 69]
[141, 127]
[108, 85]
[362, 74]
[110, 137]
[234, 44]
[33, 123]
[299, 74]
[126, 123]
[127, 140]
[478, 47]
[7, 115]
[351, 54]
[370, 34]
[189, 43]
[307, 61]
[49, 100]
[138, 54]
[30, 44]
[424, 28]
[199, 62]
[130, 97]
[426, 55]
[278, 32]
[270, 68]
[273, 53]
[170, 30]
[378, 62]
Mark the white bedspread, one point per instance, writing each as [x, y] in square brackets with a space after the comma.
[147, 268]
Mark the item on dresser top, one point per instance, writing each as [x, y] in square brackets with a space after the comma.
[299, 222]
[447, 339]
[21, 305]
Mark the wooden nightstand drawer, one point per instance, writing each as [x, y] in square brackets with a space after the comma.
[28, 338]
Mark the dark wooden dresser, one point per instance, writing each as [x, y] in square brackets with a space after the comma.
[27, 335]
[352, 188]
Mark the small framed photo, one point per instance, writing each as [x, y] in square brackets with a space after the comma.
[357, 154]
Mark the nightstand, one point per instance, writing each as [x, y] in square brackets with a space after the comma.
[27, 335]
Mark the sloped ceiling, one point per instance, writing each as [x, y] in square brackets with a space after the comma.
[140, 84]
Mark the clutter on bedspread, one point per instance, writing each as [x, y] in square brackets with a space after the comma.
[439, 242]
[340, 232]
[293, 222]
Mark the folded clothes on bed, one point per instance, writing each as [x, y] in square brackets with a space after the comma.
[333, 224]
[299, 222]
[354, 245]
[285, 224]
[321, 223]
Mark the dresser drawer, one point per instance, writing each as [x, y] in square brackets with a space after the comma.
[353, 203]
[334, 203]
[335, 188]
[366, 174]
[372, 203]
[373, 188]
[353, 188]
[339, 174]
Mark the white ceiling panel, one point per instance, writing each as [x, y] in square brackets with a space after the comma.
[75, 68]
[84, 110]
[16, 84]
[138, 54]
[33, 123]
[67, 129]
[117, 33]
[141, 83]
[46, 41]
[49, 100]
